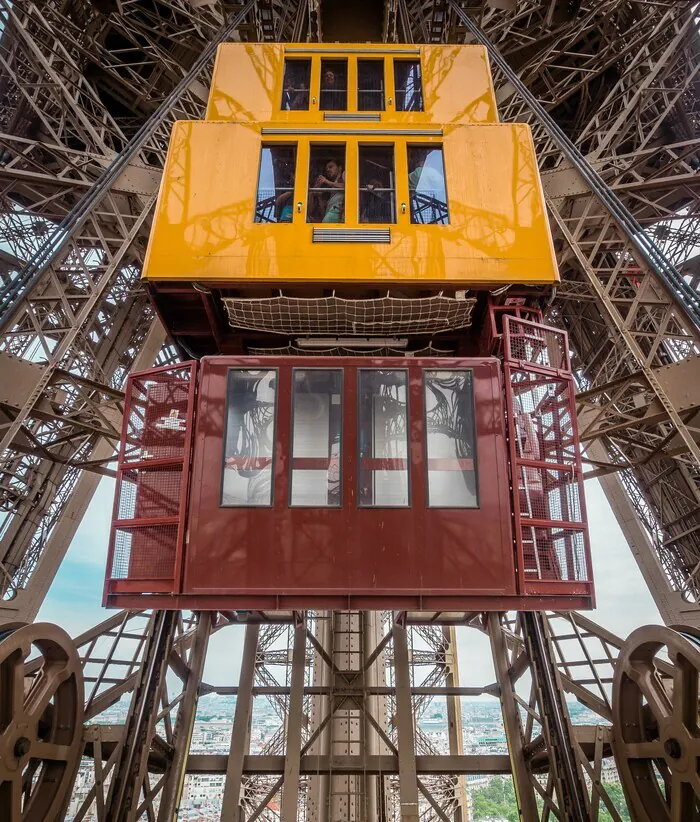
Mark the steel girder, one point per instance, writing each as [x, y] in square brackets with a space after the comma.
[353, 750]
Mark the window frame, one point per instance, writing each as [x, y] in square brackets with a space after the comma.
[385, 96]
[277, 144]
[350, 81]
[432, 146]
[395, 205]
[349, 157]
[359, 505]
[341, 454]
[297, 59]
[275, 423]
[417, 59]
[424, 422]
[352, 57]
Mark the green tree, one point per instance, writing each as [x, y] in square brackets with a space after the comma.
[495, 801]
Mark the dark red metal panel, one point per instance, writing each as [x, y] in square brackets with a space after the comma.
[351, 551]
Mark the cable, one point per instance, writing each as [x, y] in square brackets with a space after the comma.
[688, 299]
[31, 272]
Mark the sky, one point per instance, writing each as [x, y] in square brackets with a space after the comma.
[623, 600]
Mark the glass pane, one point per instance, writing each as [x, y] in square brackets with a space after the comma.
[250, 429]
[383, 438]
[334, 85]
[370, 85]
[377, 185]
[316, 437]
[295, 86]
[326, 202]
[451, 445]
[426, 185]
[275, 200]
[408, 85]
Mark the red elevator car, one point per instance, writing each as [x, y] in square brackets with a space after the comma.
[354, 482]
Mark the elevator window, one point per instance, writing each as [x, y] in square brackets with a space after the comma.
[334, 85]
[295, 85]
[249, 439]
[316, 438]
[275, 198]
[370, 85]
[326, 201]
[450, 439]
[408, 85]
[426, 186]
[383, 439]
[377, 184]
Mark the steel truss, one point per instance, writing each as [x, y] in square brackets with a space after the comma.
[349, 689]
[79, 81]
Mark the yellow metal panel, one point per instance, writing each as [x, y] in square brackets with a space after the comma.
[204, 230]
[247, 82]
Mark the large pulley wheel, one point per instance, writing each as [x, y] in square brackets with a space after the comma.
[41, 718]
[656, 739]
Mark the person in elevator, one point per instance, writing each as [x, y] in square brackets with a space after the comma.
[295, 96]
[332, 93]
[334, 178]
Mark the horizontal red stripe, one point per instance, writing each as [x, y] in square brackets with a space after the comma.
[383, 464]
[450, 464]
[247, 462]
[313, 463]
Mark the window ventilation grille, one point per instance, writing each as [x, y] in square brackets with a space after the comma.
[352, 235]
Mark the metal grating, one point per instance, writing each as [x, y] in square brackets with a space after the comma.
[352, 235]
[550, 523]
[344, 116]
[144, 553]
[149, 526]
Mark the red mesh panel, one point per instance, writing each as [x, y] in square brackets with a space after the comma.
[554, 554]
[149, 525]
[158, 414]
[550, 525]
[547, 494]
[536, 344]
[150, 492]
[144, 553]
[492, 336]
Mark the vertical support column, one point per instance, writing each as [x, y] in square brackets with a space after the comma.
[564, 766]
[511, 720]
[321, 705]
[375, 707]
[241, 721]
[290, 791]
[130, 770]
[408, 778]
[454, 718]
[184, 725]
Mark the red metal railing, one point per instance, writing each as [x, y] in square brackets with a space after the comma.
[148, 522]
[551, 532]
